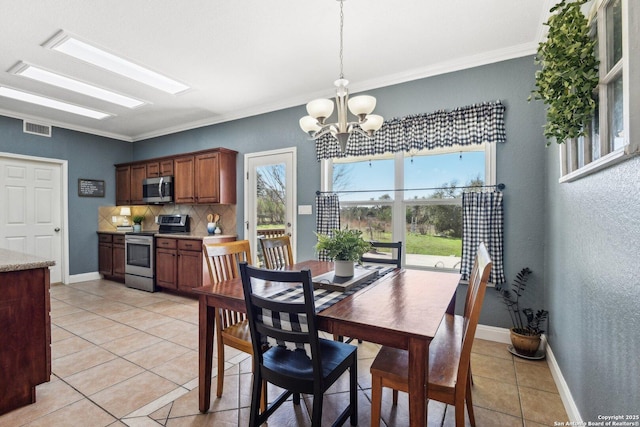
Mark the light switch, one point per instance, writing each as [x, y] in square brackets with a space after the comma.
[114, 219]
[304, 210]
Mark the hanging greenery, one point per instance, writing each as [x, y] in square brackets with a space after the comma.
[569, 74]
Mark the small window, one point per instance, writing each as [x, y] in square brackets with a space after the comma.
[607, 137]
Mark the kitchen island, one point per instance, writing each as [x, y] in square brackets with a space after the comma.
[25, 328]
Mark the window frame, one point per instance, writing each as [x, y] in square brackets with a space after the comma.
[625, 68]
[398, 203]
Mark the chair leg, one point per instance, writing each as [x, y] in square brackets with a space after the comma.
[296, 398]
[316, 413]
[263, 397]
[469, 400]
[395, 397]
[376, 400]
[220, 379]
[353, 374]
[256, 386]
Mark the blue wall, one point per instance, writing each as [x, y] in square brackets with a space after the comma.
[89, 157]
[593, 242]
[520, 161]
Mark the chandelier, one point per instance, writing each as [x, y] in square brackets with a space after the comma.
[360, 106]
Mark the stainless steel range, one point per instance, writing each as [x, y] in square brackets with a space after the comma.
[139, 251]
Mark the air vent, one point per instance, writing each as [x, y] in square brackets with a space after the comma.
[36, 129]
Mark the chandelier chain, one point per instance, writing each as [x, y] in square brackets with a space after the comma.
[341, 47]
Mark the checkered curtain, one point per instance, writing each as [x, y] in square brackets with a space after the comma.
[473, 124]
[482, 221]
[327, 217]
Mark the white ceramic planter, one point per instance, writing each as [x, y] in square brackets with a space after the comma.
[343, 268]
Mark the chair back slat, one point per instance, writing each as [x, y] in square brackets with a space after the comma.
[396, 253]
[277, 252]
[222, 261]
[288, 324]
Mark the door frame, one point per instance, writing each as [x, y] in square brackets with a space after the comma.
[294, 192]
[64, 204]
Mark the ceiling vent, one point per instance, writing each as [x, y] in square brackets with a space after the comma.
[36, 129]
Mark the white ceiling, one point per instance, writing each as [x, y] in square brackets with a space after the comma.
[246, 57]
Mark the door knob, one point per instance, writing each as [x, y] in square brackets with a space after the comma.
[56, 229]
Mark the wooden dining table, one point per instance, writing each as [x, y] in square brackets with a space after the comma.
[402, 309]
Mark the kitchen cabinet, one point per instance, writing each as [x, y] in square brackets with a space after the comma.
[166, 263]
[206, 177]
[25, 332]
[123, 185]
[180, 264]
[202, 177]
[129, 184]
[111, 258]
[160, 168]
[189, 264]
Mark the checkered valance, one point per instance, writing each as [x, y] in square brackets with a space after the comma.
[473, 124]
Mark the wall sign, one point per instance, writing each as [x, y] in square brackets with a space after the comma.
[90, 187]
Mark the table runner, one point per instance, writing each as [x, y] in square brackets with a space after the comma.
[323, 299]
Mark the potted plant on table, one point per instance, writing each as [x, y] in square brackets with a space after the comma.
[137, 222]
[526, 331]
[344, 247]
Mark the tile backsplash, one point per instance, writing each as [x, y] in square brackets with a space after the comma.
[197, 216]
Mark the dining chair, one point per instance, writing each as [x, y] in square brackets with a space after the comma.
[449, 354]
[232, 328]
[287, 350]
[396, 247]
[276, 252]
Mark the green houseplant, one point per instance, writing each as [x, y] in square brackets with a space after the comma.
[343, 246]
[569, 74]
[137, 222]
[526, 330]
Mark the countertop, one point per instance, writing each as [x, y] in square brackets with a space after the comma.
[14, 261]
[191, 235]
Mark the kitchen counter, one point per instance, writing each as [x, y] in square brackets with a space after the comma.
[15, 261]
[25, 353]
[190, 235]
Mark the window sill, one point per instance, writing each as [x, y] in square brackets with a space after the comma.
[597, 165]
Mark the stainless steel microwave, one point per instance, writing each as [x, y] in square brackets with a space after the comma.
[158, 190]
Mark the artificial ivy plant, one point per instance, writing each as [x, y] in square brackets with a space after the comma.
[569, 74]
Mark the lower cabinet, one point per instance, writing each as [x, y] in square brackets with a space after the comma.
[180, 264]
[111, 259]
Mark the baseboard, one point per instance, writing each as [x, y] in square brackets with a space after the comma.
[501, 335]
[84, 277]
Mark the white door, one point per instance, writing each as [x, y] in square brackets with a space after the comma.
[270, 197]
[31, 209]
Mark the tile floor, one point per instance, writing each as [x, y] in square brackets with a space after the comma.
[127, 357]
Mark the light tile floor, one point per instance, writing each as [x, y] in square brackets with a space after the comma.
[127, 357]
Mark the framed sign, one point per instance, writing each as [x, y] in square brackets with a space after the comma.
[90, 187]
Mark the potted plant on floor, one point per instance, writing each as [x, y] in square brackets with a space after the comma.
[345, 247]
[526, 332]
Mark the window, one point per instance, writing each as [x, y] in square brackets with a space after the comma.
[608, 137]
[426, 212]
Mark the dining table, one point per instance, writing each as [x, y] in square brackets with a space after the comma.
[402, 309]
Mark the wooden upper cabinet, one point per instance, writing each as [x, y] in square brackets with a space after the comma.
[184, 180]
[160, 168]
[207, 180]
[138, 174]
[205, 177]
[123, 185]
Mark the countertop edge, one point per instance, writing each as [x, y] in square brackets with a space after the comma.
[17, 261]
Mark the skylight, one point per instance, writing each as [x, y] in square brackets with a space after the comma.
[98, 57]
[51, 103]
[48, 77]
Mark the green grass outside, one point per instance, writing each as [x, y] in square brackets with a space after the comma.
[426, 245]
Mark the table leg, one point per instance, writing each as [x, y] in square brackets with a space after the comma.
[205, 352]
[418, 381]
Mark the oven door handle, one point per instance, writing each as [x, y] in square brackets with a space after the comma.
[142, 240]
